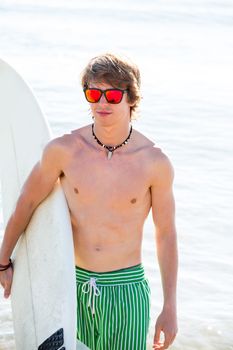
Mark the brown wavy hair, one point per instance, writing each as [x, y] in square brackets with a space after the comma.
[117, 71]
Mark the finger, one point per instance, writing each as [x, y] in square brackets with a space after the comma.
[168, 339]
[157, 335]
[7, 290]
[2, 284]
[157, 346]
[173, 338]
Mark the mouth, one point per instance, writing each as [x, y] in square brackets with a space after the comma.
[103, 113]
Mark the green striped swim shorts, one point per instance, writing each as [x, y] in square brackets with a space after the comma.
[113, 308]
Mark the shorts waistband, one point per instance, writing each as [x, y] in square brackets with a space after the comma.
[133, 274]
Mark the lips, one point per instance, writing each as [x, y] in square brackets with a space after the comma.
[103, 113]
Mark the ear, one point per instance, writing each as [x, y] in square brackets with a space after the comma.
[131, 104]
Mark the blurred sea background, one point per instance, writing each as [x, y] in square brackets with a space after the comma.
[184, 50]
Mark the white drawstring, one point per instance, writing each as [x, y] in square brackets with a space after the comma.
[88, 287]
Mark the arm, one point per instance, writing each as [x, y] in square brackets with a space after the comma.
[38, 185]
[163, 211]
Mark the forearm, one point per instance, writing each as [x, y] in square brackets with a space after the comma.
[168, 262]
[14, 228]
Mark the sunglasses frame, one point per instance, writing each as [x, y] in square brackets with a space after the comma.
[104, 92]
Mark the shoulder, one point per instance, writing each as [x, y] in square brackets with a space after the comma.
[160, 166]
[66, 143]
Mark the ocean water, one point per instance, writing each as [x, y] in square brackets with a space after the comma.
[185, 53]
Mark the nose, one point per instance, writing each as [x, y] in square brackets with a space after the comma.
[103, 99]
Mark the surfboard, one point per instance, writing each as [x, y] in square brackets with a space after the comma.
[43, 295]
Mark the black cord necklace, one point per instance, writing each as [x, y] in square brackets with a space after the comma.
[111, 149]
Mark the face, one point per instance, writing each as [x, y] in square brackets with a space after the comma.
[108, 113]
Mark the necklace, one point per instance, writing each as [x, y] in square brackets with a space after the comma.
[111, 149]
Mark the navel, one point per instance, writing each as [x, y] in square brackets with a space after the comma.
[134, 200]
[76, 190]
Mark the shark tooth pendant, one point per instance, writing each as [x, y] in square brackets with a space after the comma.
[110, 152]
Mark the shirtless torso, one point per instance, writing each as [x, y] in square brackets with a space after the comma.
[109, 200]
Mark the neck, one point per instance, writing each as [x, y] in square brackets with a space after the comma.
[112, 135]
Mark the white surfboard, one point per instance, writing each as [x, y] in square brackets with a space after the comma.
[43, 293]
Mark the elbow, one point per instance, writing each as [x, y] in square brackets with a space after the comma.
[166, 235]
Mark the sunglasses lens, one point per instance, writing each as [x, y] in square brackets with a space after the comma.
[92, 95]
[114, 96]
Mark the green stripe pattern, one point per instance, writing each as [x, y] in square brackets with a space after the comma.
[113, 308]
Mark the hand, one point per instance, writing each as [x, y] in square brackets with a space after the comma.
[6, 281]
[166, 323]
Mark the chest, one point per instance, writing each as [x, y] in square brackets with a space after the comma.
[119, 181]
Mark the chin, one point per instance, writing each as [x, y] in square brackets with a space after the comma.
[104, 120]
